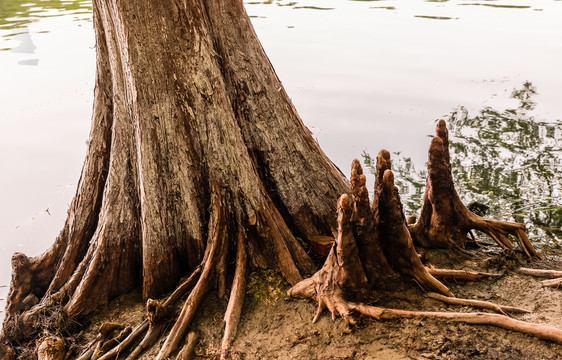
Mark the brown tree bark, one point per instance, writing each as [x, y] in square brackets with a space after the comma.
[344, 276]
[188, 114]
[444, 220]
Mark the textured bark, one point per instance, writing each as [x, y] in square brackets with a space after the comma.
[444, 220]
[341, 281]
[185, 97]
[344, 277]
[188, 112]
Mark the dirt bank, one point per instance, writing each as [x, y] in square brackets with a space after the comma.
[274, 326]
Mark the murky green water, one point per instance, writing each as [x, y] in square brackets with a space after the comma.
[364, 75]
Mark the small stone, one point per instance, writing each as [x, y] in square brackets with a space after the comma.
[52, 348]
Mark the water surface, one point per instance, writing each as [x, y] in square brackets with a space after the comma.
[364, 75]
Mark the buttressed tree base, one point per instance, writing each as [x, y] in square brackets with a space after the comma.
[197, 157]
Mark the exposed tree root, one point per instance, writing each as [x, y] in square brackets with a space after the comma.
[144, 325]
[502, 309]
[543, 332]
[339, 306]
[459, 274]
[217, 235]
[364, 224]
[540, 272]
[156, 318]
[127, 342]
[340, 278]
[396, 242]
[555, 283]
[113, 342]
[444, 220]
[234, 308]
[104, 332]
[343, 274]
[186, 353]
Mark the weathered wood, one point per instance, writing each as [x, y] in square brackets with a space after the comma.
[186, 353]
[185, 96]
[444, 220]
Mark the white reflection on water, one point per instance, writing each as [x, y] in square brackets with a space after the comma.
[47, 62]
[363, 74]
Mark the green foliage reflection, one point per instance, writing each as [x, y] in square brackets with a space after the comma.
[15, 15]
[506, 165]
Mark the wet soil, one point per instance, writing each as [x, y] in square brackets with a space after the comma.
[274, 326]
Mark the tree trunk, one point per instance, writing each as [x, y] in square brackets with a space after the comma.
[188, 112]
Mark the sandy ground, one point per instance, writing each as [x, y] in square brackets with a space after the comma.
[274, 326]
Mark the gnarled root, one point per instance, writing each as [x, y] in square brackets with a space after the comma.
[396, 241]
[341, 277]
[343, 274]
[323, 287]
[365, 231]
[444, 220]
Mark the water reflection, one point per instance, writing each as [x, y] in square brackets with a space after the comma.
[16, 16]
[499, 5]
[435, 17]
[393, 5]
[505, 164]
